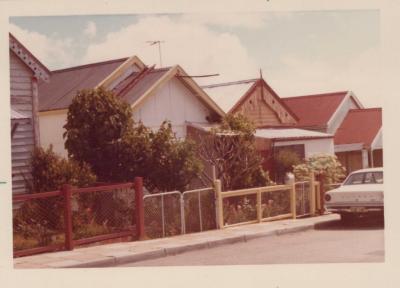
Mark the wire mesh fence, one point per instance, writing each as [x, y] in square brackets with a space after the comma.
[38, 222]
[303, 195]
[239, 209]
[275, 203]
[163, 214]
[102, 212]
[199, 210]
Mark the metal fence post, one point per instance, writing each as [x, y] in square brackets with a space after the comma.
[312, 194]
[293, 199]
[139, 211]
[220, 212]
[67, 193]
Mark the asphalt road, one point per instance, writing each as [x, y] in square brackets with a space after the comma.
[336, 242]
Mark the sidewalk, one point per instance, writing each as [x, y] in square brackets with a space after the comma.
[121, 253]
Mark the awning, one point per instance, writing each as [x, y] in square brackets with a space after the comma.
[349, 147]
[17, 115]
[290, 134]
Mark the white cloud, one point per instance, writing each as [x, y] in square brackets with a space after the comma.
[193, 45]
[90, 30]
[360, 74]
[232, 20]
[52, 52]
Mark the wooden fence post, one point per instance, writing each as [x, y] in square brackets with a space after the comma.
[220, 211]
[259, 207]
[312, 194]
[139, 211]
[293, 199]
[67, 193]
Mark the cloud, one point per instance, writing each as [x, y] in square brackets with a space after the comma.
[360, 74]
[52, 52]
[90, 29]
[231, 20]
[193, 45]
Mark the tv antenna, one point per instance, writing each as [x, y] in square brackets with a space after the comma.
[159, 48]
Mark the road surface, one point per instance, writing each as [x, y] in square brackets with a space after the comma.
[335, 242]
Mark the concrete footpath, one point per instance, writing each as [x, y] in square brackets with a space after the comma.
[127, 252]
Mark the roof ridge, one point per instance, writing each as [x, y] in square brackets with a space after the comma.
[316, 95]
[89, 65]
[229, 83]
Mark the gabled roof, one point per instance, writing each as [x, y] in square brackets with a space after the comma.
[315, 110]
[360, 126]
[132, 85]
[39, 70]
[65, 83]
[226, 95]
[229, 96]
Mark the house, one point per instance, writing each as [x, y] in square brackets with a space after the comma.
[358, 140]
[277, 124]
[155, 95]
[322, 112]
[25, 73]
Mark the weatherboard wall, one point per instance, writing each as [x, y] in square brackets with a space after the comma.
[23, 140]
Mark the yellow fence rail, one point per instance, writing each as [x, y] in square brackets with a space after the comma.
[314, 200]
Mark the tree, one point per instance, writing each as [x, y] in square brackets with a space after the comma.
[231, 149]
[97, 123]
[173, 161]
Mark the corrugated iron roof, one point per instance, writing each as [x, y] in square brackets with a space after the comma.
[315, 110]
[226, 95]
[65, 83]
[359, 126]
[147, 80]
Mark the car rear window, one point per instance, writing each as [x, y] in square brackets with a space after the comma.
[365, 178]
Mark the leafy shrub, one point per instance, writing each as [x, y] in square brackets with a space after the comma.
[325, 166]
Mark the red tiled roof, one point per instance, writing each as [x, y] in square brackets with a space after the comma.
[359, 126]
[315, 110]
[63, 85]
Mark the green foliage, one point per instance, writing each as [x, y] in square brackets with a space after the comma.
[97, 122]
[231, 149]
[173, 161]
[50, 171]
[325, 166]
[100, 131]
[285, 160]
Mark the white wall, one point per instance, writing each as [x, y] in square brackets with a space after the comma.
[340, 114]
[312, 147]
[51, 131]
[172, 102]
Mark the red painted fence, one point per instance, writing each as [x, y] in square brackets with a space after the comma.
[60, 220]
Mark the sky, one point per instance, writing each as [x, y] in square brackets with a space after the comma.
[299, 52]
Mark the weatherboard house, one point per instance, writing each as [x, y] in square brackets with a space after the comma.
[277, 126]
[26, 71]
[155, 95]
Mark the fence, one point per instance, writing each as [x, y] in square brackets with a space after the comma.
[173, 213]
[60, 220]
[269, 203]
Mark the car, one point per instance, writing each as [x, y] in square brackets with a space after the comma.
[361, 193]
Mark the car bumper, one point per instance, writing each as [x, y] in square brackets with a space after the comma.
[354, 209]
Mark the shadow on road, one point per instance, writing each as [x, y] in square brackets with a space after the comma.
[362, 223]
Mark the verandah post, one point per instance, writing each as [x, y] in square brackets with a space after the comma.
[67, 194]
[139, 211]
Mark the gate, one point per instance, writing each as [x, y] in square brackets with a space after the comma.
[303, 196]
